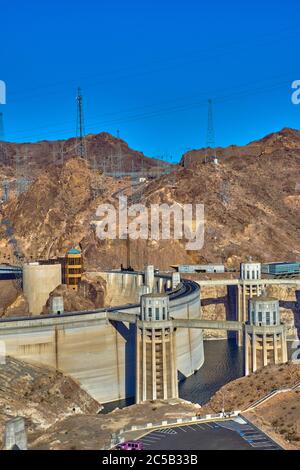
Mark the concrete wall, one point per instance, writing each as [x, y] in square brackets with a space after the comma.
[98, 353]
[38, 281]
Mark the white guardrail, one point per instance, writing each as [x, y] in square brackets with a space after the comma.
[271, 395]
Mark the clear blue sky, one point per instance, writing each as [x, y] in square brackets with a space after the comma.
[147, 68]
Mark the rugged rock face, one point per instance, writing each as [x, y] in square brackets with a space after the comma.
[94, 432]
[284, 141]
[18, 308]
[91, 294]
[103, 150]
[251, 203]
[214, 306]
[41, 395]
[8, 295]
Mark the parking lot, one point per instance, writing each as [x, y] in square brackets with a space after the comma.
[225, 435]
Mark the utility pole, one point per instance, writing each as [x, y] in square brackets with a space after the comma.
[80, 134]
[210, 138]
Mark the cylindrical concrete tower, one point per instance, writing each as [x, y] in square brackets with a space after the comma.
[175, 280]
[250, 271]
[149, 277]
[265, 336]
[249, 286]
[156, 370]
[142, 290]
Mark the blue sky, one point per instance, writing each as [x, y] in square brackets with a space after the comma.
[148, 68]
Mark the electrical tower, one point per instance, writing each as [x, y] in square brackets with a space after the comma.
[210, 154]
[22, 180]
[80, 132]
[119, 173]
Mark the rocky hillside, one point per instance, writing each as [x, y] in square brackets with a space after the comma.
[104, 152]
[91, 294]
[285, 141]
[251, 202]
[279, 415]
[40, 395]
[94, 432]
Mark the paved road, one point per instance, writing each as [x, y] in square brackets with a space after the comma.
[226, 435]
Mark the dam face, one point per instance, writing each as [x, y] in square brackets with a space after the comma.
[98, 353]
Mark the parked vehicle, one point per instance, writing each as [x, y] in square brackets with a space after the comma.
[130, 445]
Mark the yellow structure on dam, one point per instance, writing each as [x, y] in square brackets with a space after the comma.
[73, 268]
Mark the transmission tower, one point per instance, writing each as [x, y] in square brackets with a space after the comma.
[80, 133]
[210, 154]
[21, 171]
[119, 159]
[5, 193]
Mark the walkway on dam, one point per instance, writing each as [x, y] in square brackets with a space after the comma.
[181, 323]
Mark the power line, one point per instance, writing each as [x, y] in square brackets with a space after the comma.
[167, 110]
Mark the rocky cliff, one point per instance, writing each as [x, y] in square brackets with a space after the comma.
[251, 203]
[42, 396]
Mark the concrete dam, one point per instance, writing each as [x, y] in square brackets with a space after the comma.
[98, 351]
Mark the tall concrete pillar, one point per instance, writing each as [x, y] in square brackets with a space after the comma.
[175, 280]
[142, 290]
[149, 277]
[246, 354]
[156, 376]
[284, 355]
[275, 345]
[160, 285]
[265, 350]
[254, 364]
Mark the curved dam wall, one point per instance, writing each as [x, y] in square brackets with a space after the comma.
[98, 353]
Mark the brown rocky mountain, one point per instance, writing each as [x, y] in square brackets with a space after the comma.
[251, 199]
[285, 141]
[104, 152]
